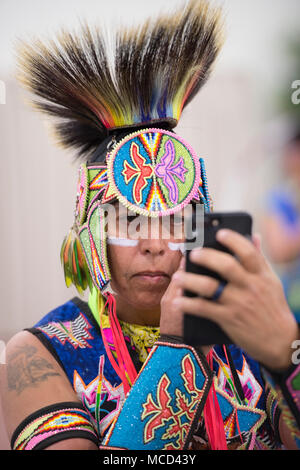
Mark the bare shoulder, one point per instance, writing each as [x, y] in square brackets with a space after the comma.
[30, 379]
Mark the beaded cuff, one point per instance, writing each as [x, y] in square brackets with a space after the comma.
[286, 388]
[165, 402]
[52, 424]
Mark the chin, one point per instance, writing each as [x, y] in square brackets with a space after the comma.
[143, 294]
[148, 299]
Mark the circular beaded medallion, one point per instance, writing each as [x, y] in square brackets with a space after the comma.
[154, 172]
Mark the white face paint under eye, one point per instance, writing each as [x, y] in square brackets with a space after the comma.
[177, 246]
[121, 241]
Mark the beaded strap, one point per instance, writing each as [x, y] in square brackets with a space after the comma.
[207, 198]
[286, 388]
[52, 424]
[164, 403]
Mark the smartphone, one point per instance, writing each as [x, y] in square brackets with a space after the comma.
[201, 331]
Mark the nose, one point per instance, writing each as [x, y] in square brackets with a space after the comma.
[152, 246]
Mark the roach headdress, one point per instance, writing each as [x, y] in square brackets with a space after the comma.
[149, 75]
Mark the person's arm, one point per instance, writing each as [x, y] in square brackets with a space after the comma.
[41, 410]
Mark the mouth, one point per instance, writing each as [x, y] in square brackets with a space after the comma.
[152, 276]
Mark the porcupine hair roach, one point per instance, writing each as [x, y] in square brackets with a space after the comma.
[156, 70]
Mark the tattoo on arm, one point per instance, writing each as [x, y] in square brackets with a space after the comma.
[25, 369]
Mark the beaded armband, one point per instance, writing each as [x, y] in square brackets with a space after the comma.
[286, 388]
[52, 424]
[165, 402]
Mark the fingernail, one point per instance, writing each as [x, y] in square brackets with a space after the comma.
[222, 234]
[195, 253]
[176, 275]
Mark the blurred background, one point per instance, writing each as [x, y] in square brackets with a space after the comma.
[242, 123]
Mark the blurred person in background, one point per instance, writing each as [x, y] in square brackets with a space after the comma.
[281, 225]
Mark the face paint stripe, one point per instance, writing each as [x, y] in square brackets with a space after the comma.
[121, 241]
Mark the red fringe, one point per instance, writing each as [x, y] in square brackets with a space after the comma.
[213, 418]
[124, 366]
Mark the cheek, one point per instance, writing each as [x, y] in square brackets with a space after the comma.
[175, 257]
[120, 261]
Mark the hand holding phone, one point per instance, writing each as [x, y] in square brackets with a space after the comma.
[202, 331]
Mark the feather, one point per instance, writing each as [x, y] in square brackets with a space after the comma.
[155, 70]
[74, 264]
